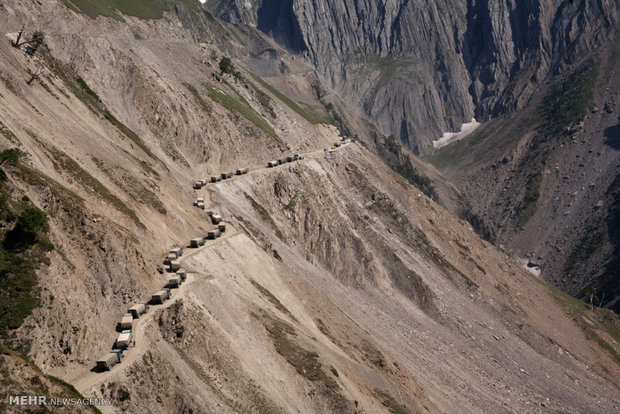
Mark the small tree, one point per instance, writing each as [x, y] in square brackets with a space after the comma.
[33, 220]
[10, 156]
[33, 76]
[226, 66]
[28, 229]
[37, 40]
[34, 43]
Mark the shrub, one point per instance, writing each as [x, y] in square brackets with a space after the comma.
[30, 224]
[226, 66]
[10, 156]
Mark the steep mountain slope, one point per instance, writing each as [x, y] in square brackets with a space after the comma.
[549, 193]
[530, 70]
[418, 69]
[338, 286]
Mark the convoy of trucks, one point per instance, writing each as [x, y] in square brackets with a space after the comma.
[173, 264]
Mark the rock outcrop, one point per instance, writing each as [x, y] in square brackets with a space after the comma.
[418, 68]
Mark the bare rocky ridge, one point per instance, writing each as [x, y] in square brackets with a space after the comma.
[418, 69]
[568, 227]
[344, 288]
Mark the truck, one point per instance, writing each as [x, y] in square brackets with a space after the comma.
[221, 227]
[124, 340]
[174, 282]
[138, 309]
[107, 361]
[175, 265]
[177, 251]
[170, 258]
[126, 322]
[160, 297]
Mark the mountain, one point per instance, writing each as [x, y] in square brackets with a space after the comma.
[419, 69]
[540, 76]
[338, 285]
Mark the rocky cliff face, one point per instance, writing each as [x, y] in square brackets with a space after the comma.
[419, 68]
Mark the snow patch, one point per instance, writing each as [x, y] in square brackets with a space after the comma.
[450, 137]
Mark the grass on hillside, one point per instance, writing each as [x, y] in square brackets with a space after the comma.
[388, 401]
[63, 162]
[456, 152]
[577, 309]
[205, 106]
[145, 9]
[23, 248]
[305, 362]
[36, 382]
[391, 152]
[271, 298]
[263, 99]
[566, 103]
[128, 133]
[388, 66]
[307, 115]
[7, 133]
[530, 199]
[91, 99]
[234, 105]
[265, 216]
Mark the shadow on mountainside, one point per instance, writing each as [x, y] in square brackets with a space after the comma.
[612, 135]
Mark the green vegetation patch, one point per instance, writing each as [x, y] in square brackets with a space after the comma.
[146, 9]
[307, 115]
[586, 247]
[83, 92]
[205, 106]
[128, 132]
[265, 216]
[388, 66]
[530, 199]
[36, 382]
[568, 101]
[263, 99]
[271, 298]
[234, 105]
[63, 162]
[565, 104]
[305, 362]
[87, 89]
[23, 249]
[6, 133]
[454, 153]
[388, 401]
[576, 309]
[391, 151]
[76, 85]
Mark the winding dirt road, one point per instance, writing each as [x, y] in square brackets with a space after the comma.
[87, 380]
